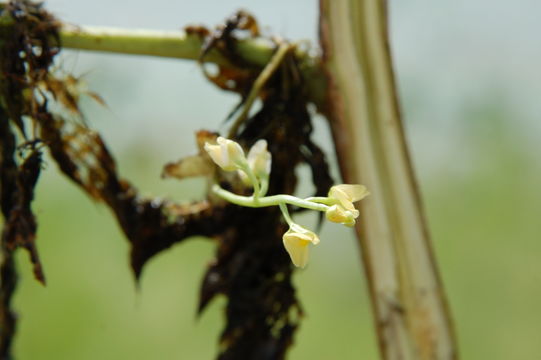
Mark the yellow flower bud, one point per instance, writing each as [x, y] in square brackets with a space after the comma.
[259, 158]
[338, 214]
[296, 241]
[347, 194]
[259, 161]
[228, 154]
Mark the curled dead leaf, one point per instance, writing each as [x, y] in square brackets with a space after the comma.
[190, 166]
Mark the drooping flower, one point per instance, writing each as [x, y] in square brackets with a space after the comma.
[296, 241]
[228, 154]
[345, 195]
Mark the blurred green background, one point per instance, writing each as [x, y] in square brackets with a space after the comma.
[470, 84]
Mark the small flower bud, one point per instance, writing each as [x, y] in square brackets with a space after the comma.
[259, 158]
[228, 154]
[338, 214]
[259, 161]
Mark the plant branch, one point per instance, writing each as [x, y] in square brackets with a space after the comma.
[267, 72]
[411, 314]
[171, 44]
[185, 45]
[274, 200]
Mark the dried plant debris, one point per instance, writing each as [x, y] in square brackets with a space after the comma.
[26, 54]
[27, 126]
[236, 74]
[150, 225]
[251, 267]
[223, 38]
[196, 165]
[25, 57]
[67, 90]
[16, 194]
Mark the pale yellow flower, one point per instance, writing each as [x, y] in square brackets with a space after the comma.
[228, 154]
[259, 161]
[338, 214]
[345, 195]
[296, 241]
[259, 158]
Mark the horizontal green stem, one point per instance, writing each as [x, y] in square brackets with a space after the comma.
[173, 44]
[322, 200]
[186, 45]
[274, 200]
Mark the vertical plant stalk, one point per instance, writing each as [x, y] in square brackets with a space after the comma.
[411, 313]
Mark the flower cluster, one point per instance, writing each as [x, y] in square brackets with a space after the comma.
[255, 169]
[343, 211]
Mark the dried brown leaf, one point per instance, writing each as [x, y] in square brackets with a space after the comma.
[26, 55]
[190, 166]
[194, 165]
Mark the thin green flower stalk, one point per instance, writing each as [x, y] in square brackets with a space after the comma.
[255, 171]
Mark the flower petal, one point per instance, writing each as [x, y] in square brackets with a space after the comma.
[259, 158]
[215, 153]
[338, 214]
[298, 250]
[304, 233]
[233, 149]
[342, 197]
[227, 154]
[296, 242]
[354, 192]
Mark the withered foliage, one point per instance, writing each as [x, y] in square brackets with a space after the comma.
[27, 126]
[150, 225]
[238, 75]
[25, 56]
[251, 268]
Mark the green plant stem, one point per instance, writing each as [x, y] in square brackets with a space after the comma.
[187, 45]
[274, 200]
[171, 44]
[253, 179]
[264, 186]
[321, 200]
[285, 212]
[267, 72]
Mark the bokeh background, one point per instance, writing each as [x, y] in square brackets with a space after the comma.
[470, 82]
